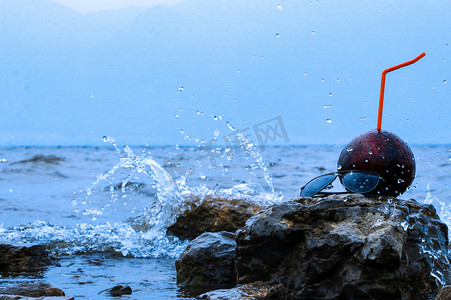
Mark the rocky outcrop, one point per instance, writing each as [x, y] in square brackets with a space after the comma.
[24, 259]
[208, 262]
[345, 246]
[213, 215]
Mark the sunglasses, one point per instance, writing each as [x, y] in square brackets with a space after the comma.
[354, 181]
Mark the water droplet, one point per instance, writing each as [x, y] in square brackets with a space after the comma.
[279, 6]
[444, 60]
[176, 115]
[197, 112]
[370, 153]
[339, 167]
[313, 32]
[181, 131]
[92, 96]
[400, 180]
[322, 79]
[277, 35]
[305, 74]
[444, 81]
[329, 121]
[330, 94]
[349, 149]
[181, 89]
[366, 160]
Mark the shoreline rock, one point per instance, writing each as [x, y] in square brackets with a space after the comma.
[24, 259]
[117, 291]
[208, 263]
[341, 246]
[255, 290]
[213, 214]
[346, 246]
[32, 289]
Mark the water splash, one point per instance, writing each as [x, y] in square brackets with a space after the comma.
[145, 235]
[251, 150]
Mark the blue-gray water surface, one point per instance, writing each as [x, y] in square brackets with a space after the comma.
[77, 201]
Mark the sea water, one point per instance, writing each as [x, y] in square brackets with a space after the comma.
[81, 202]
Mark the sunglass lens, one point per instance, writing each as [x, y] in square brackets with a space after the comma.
[360, 182]
[316, 185]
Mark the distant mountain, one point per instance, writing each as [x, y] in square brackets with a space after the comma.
[80, 76]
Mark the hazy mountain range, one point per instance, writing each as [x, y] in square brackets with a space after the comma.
[141, 74]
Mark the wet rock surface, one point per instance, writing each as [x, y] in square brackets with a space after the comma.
[255, 290]
[208, 262]
[345, 246]
[213, 215]
[445, 293]
[39, 289]
[117, 290]
[24, 259]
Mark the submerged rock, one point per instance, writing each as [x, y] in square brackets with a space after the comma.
[213, 215]
[118, 290]
[345, 246]
[24, 259]
[255, 290]
[32, 289]
[208, 262]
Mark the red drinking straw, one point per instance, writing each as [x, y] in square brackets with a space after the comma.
[381, 97]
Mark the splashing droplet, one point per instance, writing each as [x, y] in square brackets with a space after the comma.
[313, 32]
[329, 121]
[181, 89]
[277, 35]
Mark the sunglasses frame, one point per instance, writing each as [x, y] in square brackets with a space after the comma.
[339, 174]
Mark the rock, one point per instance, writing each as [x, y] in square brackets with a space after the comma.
[256, 290]
[445, 293]
[32, 289]
[213, 215]
[118, 290]
[24, 259]
[208, 262]
[346, 246]
[16, 297]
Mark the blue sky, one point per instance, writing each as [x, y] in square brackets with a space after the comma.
[176, 74]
